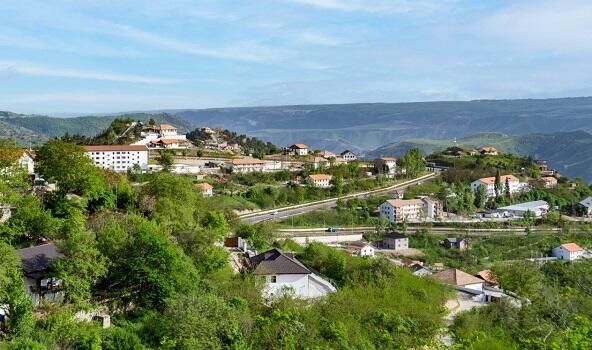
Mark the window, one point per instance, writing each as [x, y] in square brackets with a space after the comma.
[271, 279]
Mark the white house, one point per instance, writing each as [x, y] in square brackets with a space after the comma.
[120, 158]
[246, 165]
[320, 180]
[283, 274]
[319, 162]
[349, 155]
[360, 249]
[538, 208]
[398, 210]
[489, 183]
[298, 149]
[206, 189]
[37, 265]
[460, 280]
[568, 251]
[548, 181]
[26, 160]
[386, 166]
[395, 241]
[162, 136]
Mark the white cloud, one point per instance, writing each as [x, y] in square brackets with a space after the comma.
[556, 26]
[378, 6]
[29, 69]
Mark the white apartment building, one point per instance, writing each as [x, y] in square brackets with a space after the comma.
[489, 184]
[398, 210]
[246, 165]
[120, 158]
[320, 180]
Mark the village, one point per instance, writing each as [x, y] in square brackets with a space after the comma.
[405, 211]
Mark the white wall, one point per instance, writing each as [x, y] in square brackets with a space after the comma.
[296, 284]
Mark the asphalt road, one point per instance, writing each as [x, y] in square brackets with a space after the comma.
[301, 209]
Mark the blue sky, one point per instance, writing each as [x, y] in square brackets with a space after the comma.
[67, 56]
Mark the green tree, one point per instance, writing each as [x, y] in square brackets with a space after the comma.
[480, 196]
[20, 319]
[165, 159]
[414, 162]
[498, 183]
[82, 264]
[216, 223]
[337, 183]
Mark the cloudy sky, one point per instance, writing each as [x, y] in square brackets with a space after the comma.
[70, 56]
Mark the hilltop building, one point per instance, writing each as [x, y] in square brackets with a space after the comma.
[298, 149]
[511, 181]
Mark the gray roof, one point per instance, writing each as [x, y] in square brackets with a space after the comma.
[394, 235]
[37, 260]
[526, 206]
[275, 262]
[587, 202]
[455, 239]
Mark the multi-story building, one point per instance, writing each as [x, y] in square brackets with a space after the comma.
[398, 210]
[246, 165]
[320, 180]
[510, 181]
[120, 158]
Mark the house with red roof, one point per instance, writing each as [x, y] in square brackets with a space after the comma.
[568, 251]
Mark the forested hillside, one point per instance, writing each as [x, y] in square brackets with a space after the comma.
[33, 129]
[567, 152]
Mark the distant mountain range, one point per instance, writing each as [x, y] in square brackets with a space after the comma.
[568, 152]
[359, 127]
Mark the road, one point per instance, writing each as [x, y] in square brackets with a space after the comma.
[253, 218]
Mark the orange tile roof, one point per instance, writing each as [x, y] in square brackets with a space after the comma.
[299, 145]
[204, 186]
[167, 141]
[572, 247]
[111, 148]
[320, 177]
[488, 149]
[388, 159]
[319, 160]
[246, 161]
[487, 276]
[491, 180]
[404, 202]
[548, 179]
[166, 127]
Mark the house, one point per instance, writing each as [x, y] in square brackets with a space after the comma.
[488, 277]
[548, 181]
[338, 161]
[348, 156]
[360, 249]
[510, 181]
[166, 130]
[283, 274]
[119, 158]
[245, 165]
[438, 266]
[206, 189]
[298, 149]
[398, 210]
[320, 180]
[27, 161]
[167, 143]
[395, 241]
[568, 251]
[386, 166]
[586, 206]
[459, 279]
[456, 242]
[488, 150]
[537, 208]
[37, 270]
[420, 270]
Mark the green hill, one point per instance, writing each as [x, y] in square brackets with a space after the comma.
[33, 129]
[568, 152]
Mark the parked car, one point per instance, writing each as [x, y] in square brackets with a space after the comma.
[332, 229]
